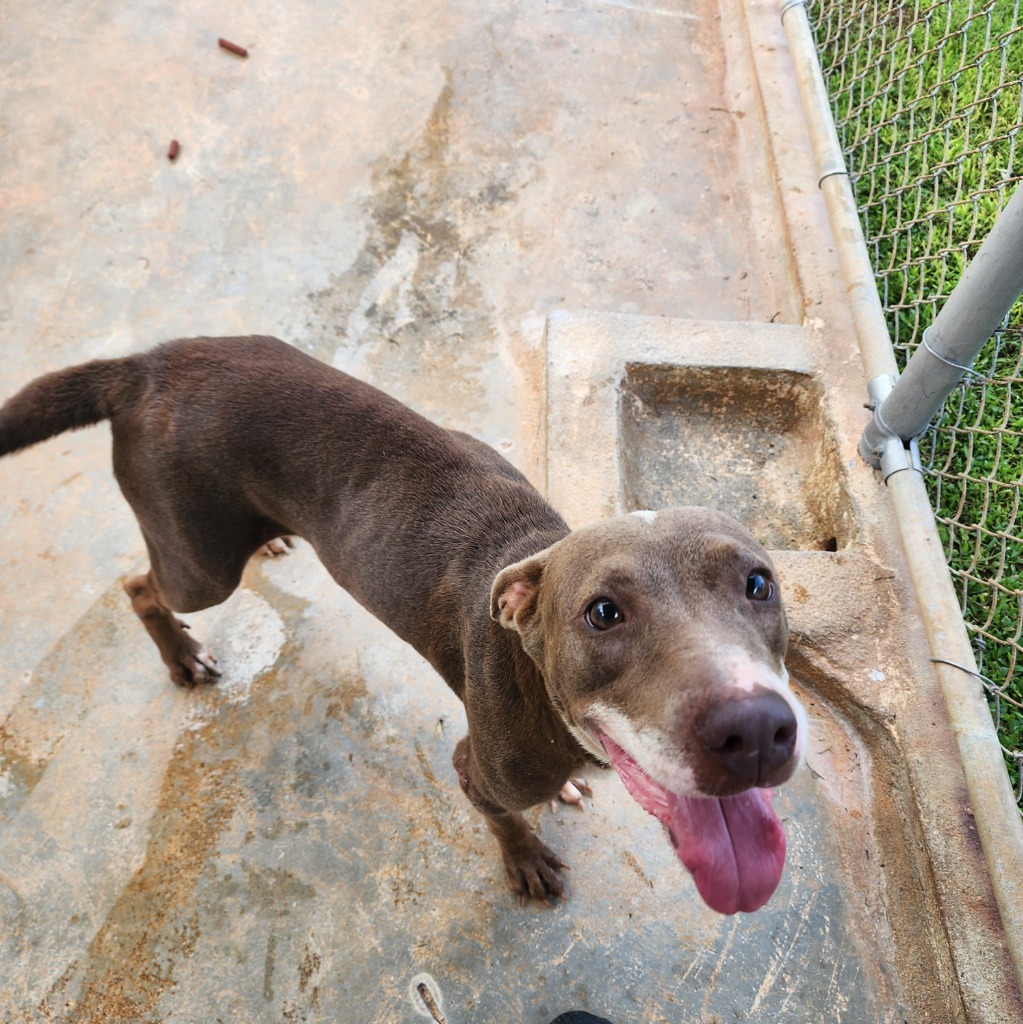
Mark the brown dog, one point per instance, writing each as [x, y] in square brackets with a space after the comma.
[653, 641]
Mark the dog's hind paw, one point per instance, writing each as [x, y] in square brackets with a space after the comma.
[572, 792]
[277, 546]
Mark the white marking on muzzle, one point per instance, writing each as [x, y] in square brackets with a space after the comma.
[651, 750]
[655, 753]
[747, 675]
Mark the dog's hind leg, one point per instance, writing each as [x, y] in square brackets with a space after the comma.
[189, 662]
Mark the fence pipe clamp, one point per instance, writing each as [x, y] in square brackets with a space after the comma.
[880, 445]
[987, 783]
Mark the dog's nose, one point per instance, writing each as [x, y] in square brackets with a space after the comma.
[750, 738]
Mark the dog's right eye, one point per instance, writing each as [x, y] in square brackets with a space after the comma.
[603, 614]
[759, 586]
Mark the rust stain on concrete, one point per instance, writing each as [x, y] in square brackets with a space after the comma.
[152, 927]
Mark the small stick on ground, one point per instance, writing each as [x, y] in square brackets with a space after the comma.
[431, 1005]
[226, 44]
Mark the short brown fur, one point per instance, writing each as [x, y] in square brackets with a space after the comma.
[222, 445]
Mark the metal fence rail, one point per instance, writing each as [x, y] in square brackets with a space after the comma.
[928, 104]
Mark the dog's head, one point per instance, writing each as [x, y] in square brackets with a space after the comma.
[661, 638]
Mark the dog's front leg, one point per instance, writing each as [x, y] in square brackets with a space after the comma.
[533, 869]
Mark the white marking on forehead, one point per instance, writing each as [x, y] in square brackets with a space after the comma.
[645, 514]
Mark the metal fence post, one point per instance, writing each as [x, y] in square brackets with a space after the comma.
[978, 305]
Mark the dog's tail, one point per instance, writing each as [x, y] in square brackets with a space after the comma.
[66, 400]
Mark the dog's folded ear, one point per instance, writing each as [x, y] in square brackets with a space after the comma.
[513, 595]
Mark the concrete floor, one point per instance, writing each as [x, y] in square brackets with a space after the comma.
[409, 190]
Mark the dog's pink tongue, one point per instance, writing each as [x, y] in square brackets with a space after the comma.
[733, 847]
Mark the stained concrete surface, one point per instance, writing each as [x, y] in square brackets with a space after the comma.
[408, 190]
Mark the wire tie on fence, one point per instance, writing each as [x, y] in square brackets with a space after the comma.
[1017, 757]
[969, 671]
[948, 362]
[990, 684]
[908, 459]
[831, 174]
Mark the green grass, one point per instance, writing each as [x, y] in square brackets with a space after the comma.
[927, 100]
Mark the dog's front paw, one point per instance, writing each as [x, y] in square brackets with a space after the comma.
[534, 871]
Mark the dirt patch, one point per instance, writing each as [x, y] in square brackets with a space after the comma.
[132, 958]
[411, 285]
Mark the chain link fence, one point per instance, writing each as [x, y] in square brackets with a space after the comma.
[928, 102]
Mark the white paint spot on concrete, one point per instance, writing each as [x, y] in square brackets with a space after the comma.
[877, 676]
[245, 635]
[391, 286]
[251, 637]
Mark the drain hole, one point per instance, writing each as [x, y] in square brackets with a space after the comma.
[831, 544]
[427, 997]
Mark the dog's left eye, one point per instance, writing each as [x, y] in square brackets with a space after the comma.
[603, 614]
[759, 587]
